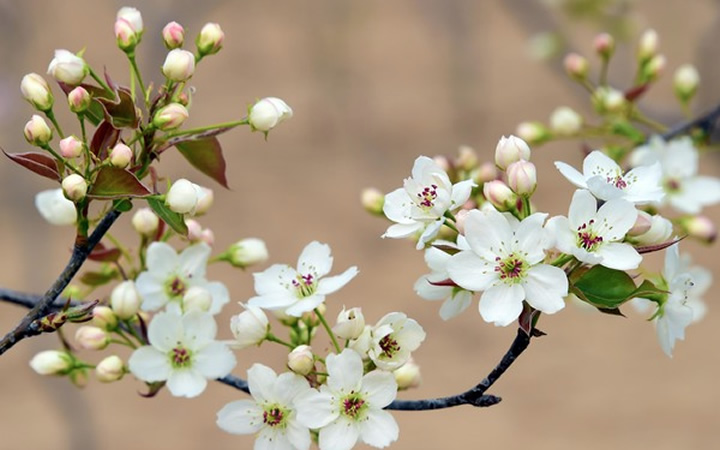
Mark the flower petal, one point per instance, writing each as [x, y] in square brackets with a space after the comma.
[614, 219]
[402, 230]
[152, 291]
[545, 287]
[315, 258]
[192, 262]
[149, 364]
[214, 361]
[315, 409]
[220, 295]
[328, 285]
[572, 174]
[339, 435]
[461, 193]
[455, 304]
[288, 386]
[619, 256]
[397, 206]
[379, 429]
[304, 305]
[261, 379]
[161, 259]
[200, 328]
[186, 383]
[275, 278]
[488, 233]
[345, 371]
[471, 272]
[583, 207]
[502, 304]
[379, 388]
[165, 331]
[240, 417]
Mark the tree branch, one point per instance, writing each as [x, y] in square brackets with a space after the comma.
[81, 250]
[705, 122]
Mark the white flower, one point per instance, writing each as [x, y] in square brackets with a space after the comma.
[675, 314]
[182, 351]
[595, 236]
[272, 415]
[51, 362]
[55, 208]
[505, 261]
[605, 179]
[169, 276]
[268, 113]
[247, 252]
[429, 286]
[685, 190]
[393, 339]
[349, 324]
[250, 327]
[350, 406]
[420, 205]
[67, 68]
[282, 287]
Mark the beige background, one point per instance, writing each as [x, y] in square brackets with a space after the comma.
[373, 85]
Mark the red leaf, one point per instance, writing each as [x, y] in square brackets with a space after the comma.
[104, 254]
[636, 92]
[206, 156]
[112, 182]
[121, 112]
[105, 137]
[39, 163]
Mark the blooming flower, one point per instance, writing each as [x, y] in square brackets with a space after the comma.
[55, 208]
[594, 235]
[182, 351]
[272, 414]
[420, 205]
[349, 406]
[504, 261]
[394, 337]
[300, 290]
[674, 314]
[685, 190]
[250, 327]
[605, 179]
[169, 276]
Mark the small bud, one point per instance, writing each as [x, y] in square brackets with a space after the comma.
[686, 82]
[91, 338]
[654, 68]
[121, 155]
[173, 35]
[210, 39]
[648, 46]
[75, 187]
[170, 116]
[104, 317]
[198, 298]
[522, 177]
[249, 327]
[467, 158]
[373, 200]
[125, 36]
[499, 194]
[133, 17]
[71, 147]
[179, 65]
[442, 162]
[194, 230]
[486, 172]
[125, 300]
[79, 99]
[660, 230]
[205, 201]
[68, 68]
[642, 224]
[565, 121]
[35, 90]
[460, 218]
[37, 132]
[55, 208]
[301, 360]
[607, 99]
[145, 222]
[350, 324]
[532, 132]
[207, 236]
[510, 149]
[408, 375]
[576, 66]
[110, 369]
[267, 113]
[604, 45]
[183, 196]
[51, 362]
[700, 227]
[247, 252]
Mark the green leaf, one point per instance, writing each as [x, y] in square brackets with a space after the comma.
[622, 128]
[173, 219]
[97, 278]
[604, 288]
[39, 163]
[122, 205]
[651, 292]
[206, 156]
[121, 112]
[113, 182]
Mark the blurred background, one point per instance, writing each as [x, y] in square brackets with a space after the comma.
[373, 85]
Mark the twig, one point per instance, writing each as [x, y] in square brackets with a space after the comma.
[706, 122]
[30, 300]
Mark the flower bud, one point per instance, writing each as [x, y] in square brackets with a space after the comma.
[110, 369]
[170, 116]
[133, 17]
[350, 324]
[51, 362]
[79, 99]
[522, 177]
[576, 66]
[267, 113]
[75, 187]
[194, 230]
[183, 196]
[249, 327]
[207, 236]
[648, 45]
[301, 360]
[71, 147]
[37, 132]
[121, 155]
[510, 149]
[565, 121]
[247, 252]
[205, 201]
[145, 222]
[532, 132]
[654, 68]
[499, 194]
[35, 90]
[460, 218]
[660, 230]
[197, 297]
[373, 200]
[700, 227]
[104, 317]
[210, 39]
[55, 208]
[179, 65]
[442, 162]
[685, 82]
[408, 375]
[486, 172]
[91, 338]
[125, 36]
[125, 300]
[607, 99]
[467, 158]
[68, 68]
[642, 224]
[604, 45]
[173, 35]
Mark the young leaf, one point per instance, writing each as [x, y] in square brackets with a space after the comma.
[122, 112]
[649, 291]
[173, 219]
[104, 254]
[97, 278]
[604, 288]
[39, 163]
[105, 137]
[112, 182]
[206, 156]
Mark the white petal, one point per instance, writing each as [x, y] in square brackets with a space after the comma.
[240, 417]
[274, 279]
[288, 386]
[571, 174]
[461, 193]
[545, 287]
[410, 335]
[149, 364]
[193, 260]
[214, 361]
[315, 258]
[270, 438]
[583, 207]
[304, 305]
[55, 208]
[706, 190]
[471, 272]
[647, 188]
[397, 206]
[315, 409]
[260, 381]
[672, 262]
[429, 291]
[614, 219]
[379, 388]
[220, 295]
[339, 435]
[437, 259]
[165, 331]
[488, 233]
[279, 300]
[200, 328]
[431, 230]
[598, 163]
[329, 285]
[531, 238]
[619, 256]
[402, 230]
[379, 429]
[298, 435]
[186, 383]
[603, 190]
[559, 226]
[161, 259]
[345, 371]
[455, 304]
[152, 291]
[502, 304]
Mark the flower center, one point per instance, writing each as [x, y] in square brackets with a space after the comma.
[586, 238]
[672, 185]
[180, 357]
[353, 406]
[426, 198]
[274, 416]
[305, 285]
[617, 181]
[389, 346]
[175, 287]
[511, 269]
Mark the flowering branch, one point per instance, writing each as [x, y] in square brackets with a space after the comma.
[706, 122]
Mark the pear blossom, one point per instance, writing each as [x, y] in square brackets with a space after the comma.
[605, 179]
[183, 352]
[250, 327]
[68, 68]
[52, 362]
[349, 324]
[505, 262]
[297, 291]
[55, 208]
[169, 276]
[394, 337]
[272, 416]
[685, 190]
[350, 406]
[419, 207]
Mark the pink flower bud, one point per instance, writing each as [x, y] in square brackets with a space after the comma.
[194, 230]
[467, 158]
[301, 360]
[604, 45]
[121, 155]
[654, 68]
[170, 116]
[91, 338]
[510, 149]
[267, 113]
[686, 82]
[565, 121]
[67, 68]
[110, 369]
[532, 132]
[104, 317]
[182, 197]
[700, 227]
[205, 201]
[75, 187]
[173, 35]
[576, 66]
[460, 218]
[126, 37]
[648, 45]
[79, 99]
[179, 65]
[37, 131]
[499, 194]
[660, 230]
[522, 177]
[145, 222]
[372, 200]
[486, 172]
[607, 99]
[125, 300]
[71, 147]
[247, 252]
[197, 297]
[210, 39]
[35, 90]
[133, 18]
[642, 224]
[207, 236]
[51, 362]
